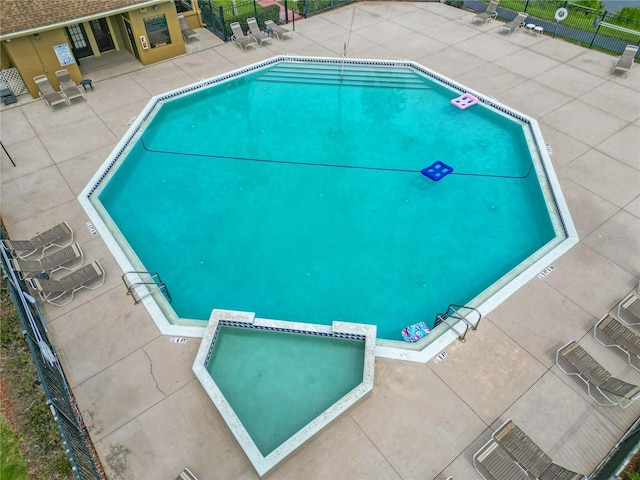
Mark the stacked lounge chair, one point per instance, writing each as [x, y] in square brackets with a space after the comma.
[240, 39]
[514, 24]
[59, 236]
[277, 30]
[68, 86]
[629, 309]
[188, 34]
[255, 32]
[489, 14]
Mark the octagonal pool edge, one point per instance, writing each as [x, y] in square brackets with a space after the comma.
[566, 235]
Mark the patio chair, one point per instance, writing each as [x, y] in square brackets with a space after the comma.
[68, 86]
[602, 387]
[48, 95]
[255, 32]
[494, 463]
[625, 62]
[612, 333]
[490, 13]
[59, 236]
[279, 31]
[61, 292]
[529, 455]
[629, 310]
[187, 33]
[69, 258]
[514, 24]
[240, 39]
[186, 474]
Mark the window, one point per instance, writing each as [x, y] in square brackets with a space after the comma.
[183, 6]
[157, 31]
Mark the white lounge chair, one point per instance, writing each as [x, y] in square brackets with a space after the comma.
[279, 31]
[514, 24]
[612, 333]
[61, 291]
[69, 258]
[489, 14]
[629, 309]
[240, 39]
[625, 62]
[59, 236]
[49, 96]
[255, 32]
[602, 387]
[68, 86]
[188, 34]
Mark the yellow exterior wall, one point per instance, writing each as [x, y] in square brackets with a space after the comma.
[164, 52]
[33, 57]
[5, 62]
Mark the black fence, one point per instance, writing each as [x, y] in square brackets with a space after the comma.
[217, 18]
[588, 27]
[66, 414]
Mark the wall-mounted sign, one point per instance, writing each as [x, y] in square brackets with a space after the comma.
[157, 30]
[63, 52]
[143, 41]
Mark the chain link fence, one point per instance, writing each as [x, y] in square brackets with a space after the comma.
[74, 435]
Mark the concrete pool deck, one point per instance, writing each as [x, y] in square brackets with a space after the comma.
[146, 412]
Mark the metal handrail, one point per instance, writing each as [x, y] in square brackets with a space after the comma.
[154, 279]
[453, 312]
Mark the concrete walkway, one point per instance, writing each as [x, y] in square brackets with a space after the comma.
[149, 416]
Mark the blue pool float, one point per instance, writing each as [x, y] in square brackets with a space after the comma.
[415, 332]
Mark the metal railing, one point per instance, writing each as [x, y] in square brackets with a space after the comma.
[151, 282]
[74, 435]
[454, 312]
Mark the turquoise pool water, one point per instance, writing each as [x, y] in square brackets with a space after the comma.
[278, 382]
[295, 192]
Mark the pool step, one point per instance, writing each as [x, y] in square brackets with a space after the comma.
[336, 74]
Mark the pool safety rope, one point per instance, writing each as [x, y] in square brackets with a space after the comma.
[435, 171]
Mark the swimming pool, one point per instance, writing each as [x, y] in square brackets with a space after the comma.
[333, 220]
[277, 384]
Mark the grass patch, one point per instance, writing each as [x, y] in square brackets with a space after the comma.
[12, 464]
[24, 402]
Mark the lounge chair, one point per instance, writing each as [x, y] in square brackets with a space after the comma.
[68, 86]
[48, 95]
[186, 474]
[489, 14]
[494, 463]
[69, 258]
[187, 33]
[240, 39]
[529, 455]
[602, 387]
[625, 62]
[60, 292]
[514, 24]
[255, 32]
[279, 31]
[612, 333]
[629, 309]
[59, 236]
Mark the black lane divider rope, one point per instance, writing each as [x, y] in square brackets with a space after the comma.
[332, 165]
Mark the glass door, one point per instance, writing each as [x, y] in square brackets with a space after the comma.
[101, 33]
[79, 44]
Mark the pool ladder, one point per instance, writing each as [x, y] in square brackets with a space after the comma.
[150, 280]
[454, 312]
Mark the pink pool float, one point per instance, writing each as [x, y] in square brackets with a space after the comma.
[464, 101]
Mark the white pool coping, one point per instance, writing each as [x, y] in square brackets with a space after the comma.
[261, 463]
[430, 346]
